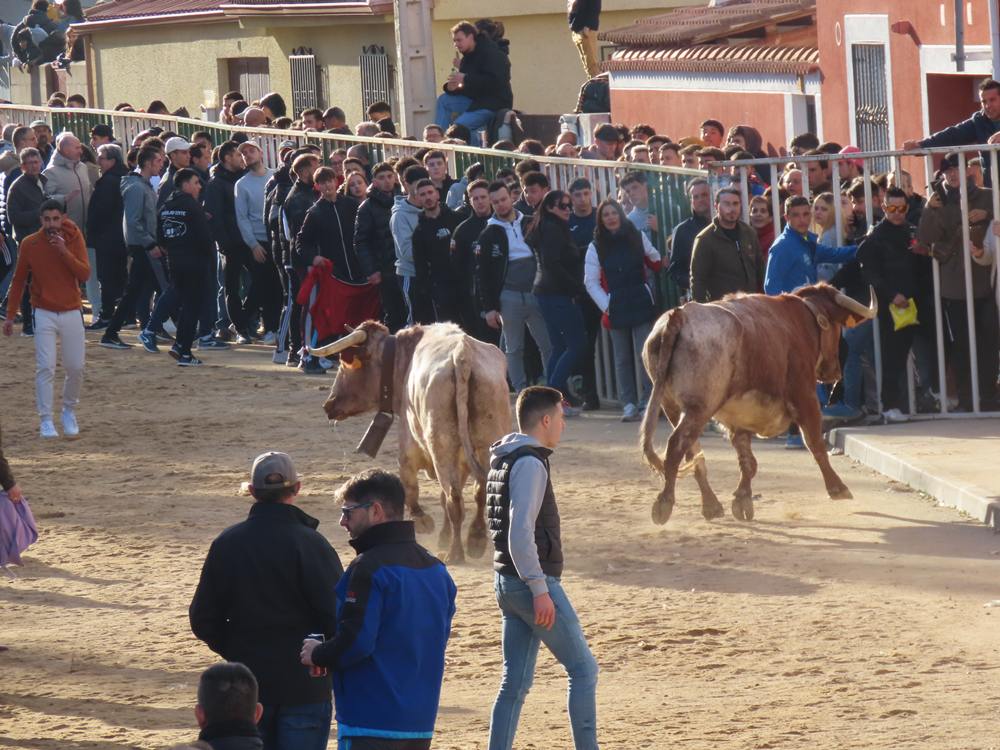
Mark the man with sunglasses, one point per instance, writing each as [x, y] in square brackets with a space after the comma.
[267, 583]
[395, 604]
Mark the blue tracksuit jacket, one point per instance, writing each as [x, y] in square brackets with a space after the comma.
[792, 259]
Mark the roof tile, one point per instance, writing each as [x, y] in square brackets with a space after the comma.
[717, 58]
[686, 26]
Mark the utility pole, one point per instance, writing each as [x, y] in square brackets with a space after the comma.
[415, 64]
[959, 37]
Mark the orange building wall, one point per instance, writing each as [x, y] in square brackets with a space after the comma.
[924, 16]
[680, 113]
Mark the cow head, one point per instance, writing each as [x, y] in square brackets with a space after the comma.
[833, 310]
[355, 390]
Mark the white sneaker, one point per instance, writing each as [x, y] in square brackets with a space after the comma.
[70, 427]
[48, 429]
[269, 338]
[631, 413]
[169, 327]
[895, 416]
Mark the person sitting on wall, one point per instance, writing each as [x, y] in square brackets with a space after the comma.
[479, 85]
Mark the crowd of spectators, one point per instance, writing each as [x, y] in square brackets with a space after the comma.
[200, 245]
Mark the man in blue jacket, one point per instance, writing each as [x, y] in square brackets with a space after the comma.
[792, 260]
[791, 263]
[982, 127]
[395, 604]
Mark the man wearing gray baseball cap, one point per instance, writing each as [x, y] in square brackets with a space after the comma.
[268, 582]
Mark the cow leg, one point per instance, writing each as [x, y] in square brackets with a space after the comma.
[685, 435]
[743, 497]
[809, 421]
[408, 476]
[475, 543]
[710, 505]
[455, 512]
[446, 533]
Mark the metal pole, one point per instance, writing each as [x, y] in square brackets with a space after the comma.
[745, 193]
[967, 269]
[876, 333]
[775, 200]
[995, 38]
[960, 37]
[838, 210]
[938, 313]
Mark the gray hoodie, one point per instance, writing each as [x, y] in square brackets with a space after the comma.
[402, 222]
[139, 217]
[528, 478]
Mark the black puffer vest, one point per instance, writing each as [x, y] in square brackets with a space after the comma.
[547, 535]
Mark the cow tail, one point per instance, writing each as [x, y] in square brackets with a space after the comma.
[463, 374]
[659, 377]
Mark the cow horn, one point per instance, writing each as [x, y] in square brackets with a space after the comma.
[856, 307]
[356, 338]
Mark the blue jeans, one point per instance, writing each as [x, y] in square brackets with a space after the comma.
[456, 104]
[567, 334]
[627, 344]
[305, 727]
[521, 638]
[859, 345]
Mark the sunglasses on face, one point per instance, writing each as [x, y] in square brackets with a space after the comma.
[346, 511]
[564, 206]
[896, 209]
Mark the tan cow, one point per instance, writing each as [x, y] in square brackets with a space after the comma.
[751, 362]
[450, 394]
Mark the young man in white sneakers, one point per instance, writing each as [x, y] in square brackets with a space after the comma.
[56, 258]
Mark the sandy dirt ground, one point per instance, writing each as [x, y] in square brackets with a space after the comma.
[850, 624]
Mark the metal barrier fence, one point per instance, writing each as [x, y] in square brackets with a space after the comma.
[666, 185]
[738, 173]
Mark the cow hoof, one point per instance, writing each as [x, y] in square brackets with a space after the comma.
[662, 510]
[840, 493]
[475, 544]
[743, 507]
[712, 510]
[423, 523]
[454, 557]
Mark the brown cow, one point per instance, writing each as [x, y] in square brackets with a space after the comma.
[751, 362]
[450, 393]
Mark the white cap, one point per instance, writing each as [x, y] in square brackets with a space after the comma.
[176, 144]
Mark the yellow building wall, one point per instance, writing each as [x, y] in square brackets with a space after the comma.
[143, 64]
[546, 73]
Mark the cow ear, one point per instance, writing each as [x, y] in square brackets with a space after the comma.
[356, 363]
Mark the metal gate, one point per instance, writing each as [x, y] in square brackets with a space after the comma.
[871, 108]
[376, 83]
[305, 83]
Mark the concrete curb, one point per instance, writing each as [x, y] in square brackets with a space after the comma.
[969, 498]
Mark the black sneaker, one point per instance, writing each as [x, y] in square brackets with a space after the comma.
[175, 352]
[225, 335]
[163, 337]
[113, 342]
[188, 360]
[99, 325]
[293, 359]
[313, 367]
[212, 343]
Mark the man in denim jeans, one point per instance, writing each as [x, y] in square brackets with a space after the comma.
[528, 560]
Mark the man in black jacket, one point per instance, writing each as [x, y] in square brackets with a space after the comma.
[682, 240]
[374, 246]
[465, 248]
[26, 195]
[266, 584]
[297, 203]
[220, 205]
[105, 232]
[184, 233]
[481, 87]
[890, 266]
[328, 231]
[432, 257]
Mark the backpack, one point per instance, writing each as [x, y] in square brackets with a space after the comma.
[595, 95]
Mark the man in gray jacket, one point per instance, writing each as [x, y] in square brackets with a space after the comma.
[402, 222]
[69, 180]
[139, 223]
[523, 523]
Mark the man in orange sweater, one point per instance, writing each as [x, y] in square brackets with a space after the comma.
[56, 258]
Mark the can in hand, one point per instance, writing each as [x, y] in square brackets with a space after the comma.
[315, 671]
